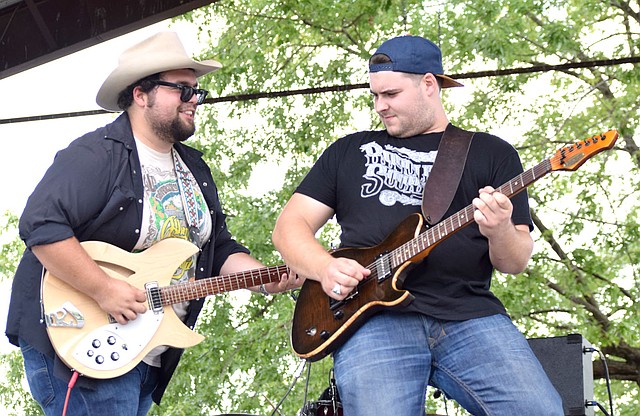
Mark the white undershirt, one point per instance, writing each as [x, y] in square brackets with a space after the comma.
[163, 216]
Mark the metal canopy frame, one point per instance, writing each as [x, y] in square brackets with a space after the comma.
[33, 32]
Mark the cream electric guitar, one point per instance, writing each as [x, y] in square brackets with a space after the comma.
[91, 342]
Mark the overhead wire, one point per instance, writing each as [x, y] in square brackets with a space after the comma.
[349, 87]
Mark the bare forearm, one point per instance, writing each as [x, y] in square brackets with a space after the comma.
[511, 250]
[300, 249]
[510, 245]
[294, 237]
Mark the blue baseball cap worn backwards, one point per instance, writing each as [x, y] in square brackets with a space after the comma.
[414, 55]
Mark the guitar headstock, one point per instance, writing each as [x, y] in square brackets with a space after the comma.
[571, 157]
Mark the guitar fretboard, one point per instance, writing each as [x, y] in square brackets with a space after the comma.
[462, 218]
[183, 292]
[570, 157]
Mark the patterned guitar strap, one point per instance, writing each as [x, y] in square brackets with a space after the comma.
[445, 175]
[188, 198]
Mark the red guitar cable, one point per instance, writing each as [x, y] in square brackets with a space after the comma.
[72, 383]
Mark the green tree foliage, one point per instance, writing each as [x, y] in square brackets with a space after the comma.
[11, 246]
[13, 397]
[583, 277]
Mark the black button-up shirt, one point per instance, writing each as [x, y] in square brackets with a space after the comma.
[94, 191]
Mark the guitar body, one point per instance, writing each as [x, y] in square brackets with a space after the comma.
[85, 337]
[321, 324]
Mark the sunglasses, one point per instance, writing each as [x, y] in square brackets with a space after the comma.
[186, 92]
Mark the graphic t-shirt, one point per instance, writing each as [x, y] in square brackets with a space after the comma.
[164, 217]
[373, 181]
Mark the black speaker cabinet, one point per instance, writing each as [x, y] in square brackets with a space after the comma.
[570, 369]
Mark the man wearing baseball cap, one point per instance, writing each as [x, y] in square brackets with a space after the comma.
[452, 332]
[131, 184]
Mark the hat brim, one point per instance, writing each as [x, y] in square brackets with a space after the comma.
[448, 82]
[123, 76]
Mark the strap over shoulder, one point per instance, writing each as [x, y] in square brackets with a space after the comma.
[445, 175]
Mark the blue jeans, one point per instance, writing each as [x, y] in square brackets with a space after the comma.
[129, 394]
[484, 364]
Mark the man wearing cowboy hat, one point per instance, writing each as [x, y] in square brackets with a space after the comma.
[130, 183]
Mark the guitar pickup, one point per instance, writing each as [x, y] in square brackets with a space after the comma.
[382, 267]
[153, 297]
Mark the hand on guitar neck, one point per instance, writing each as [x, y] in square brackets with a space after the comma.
[510, 246]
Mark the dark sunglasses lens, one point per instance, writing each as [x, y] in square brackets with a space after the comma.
[186, 93]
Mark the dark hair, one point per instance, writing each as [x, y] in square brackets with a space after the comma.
[381, 58]
[146, 84]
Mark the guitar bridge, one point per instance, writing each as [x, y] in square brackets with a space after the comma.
[67, 316]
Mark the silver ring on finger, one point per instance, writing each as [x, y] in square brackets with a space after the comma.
[337, 289]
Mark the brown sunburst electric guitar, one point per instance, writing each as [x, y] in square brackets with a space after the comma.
[321, 324]
[91, 342]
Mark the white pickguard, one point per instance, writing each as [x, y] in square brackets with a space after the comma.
[114, 345]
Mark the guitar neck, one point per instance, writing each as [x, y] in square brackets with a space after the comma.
[464, 217]
[183, 292]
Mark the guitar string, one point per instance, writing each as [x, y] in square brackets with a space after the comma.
[192, 290]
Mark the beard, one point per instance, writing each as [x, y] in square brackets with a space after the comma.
[172, 131]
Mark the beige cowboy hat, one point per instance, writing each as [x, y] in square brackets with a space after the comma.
[161, 52]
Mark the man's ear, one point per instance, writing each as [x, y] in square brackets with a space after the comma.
[431, 82]
[140, 97]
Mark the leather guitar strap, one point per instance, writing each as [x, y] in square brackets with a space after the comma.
[446, 172]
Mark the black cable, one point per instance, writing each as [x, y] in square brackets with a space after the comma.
[306, 385]
[333, 392]
[606, 377]
[594, 403]
[293, 383]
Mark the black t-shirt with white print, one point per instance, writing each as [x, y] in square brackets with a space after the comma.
[373, 181]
